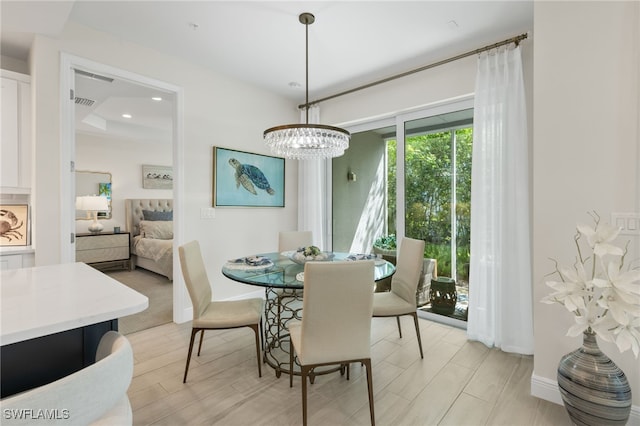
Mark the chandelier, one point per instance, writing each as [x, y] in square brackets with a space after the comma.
[307, 141]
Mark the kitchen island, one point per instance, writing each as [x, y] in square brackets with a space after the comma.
[53, 318]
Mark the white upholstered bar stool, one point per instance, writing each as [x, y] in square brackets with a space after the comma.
[94, 395]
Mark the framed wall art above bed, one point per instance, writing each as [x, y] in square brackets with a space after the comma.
[157, 177]
[244, 179]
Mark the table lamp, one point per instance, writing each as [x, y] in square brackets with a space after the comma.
[93, 204]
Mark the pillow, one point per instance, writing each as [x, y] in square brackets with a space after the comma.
[156, 215]
[156, 229]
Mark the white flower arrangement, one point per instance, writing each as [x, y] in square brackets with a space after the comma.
[604, 299]
[304, 254]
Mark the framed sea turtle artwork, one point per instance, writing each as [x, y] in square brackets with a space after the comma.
[245, 179]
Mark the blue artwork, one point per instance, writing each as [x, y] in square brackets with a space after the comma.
[243, 179]
[104, 189]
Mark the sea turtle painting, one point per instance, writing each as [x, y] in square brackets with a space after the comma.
[248, 176]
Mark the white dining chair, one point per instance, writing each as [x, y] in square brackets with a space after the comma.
[336, 322]
[293, 240]
[215, 315]
[401, 300]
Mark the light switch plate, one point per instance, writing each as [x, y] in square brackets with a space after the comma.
[207, 213]
[629, 223]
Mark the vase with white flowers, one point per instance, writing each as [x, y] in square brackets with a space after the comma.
[604, 296]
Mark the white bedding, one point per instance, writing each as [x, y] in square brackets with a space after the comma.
[161, 251]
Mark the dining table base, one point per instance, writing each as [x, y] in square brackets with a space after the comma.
[283, 306]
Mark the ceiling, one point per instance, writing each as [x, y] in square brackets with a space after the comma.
[263, 43]
[101, 104]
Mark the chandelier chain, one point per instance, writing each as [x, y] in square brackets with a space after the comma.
[307, 141]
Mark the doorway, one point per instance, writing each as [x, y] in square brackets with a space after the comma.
[69, 65]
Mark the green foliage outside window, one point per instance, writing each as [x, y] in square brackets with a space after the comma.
[428, 186]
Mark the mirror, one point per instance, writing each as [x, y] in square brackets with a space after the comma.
[93, 183]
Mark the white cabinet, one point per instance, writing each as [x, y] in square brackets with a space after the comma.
[10, 147]
[16, 259]
[16, 144]
[13, 261]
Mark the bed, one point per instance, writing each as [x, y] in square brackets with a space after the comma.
[150, 223]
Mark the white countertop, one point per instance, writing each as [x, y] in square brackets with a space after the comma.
[44, 300]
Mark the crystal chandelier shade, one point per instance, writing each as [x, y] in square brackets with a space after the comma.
[307, 141]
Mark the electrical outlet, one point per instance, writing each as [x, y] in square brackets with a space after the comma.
[207, 213]
[629, 223]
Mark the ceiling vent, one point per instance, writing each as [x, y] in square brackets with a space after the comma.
[84, 101]
[94, 76]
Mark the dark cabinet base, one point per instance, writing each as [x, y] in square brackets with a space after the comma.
[36, 362]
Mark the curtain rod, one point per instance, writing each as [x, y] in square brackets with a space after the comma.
[516, 40]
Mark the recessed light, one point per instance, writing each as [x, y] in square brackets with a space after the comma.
[126, 115]
[157, 98]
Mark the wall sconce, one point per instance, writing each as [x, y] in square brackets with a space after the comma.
[351, 176]
[93, 204]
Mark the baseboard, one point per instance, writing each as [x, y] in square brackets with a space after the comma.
[259, 294]
[187, 315]
[547, 389]
[442, 319]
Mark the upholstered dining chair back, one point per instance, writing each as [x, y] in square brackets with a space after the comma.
[401, 300]
[195, 277]
[408, 269]
[97, 394]
[215, 315]
[337, 308]
[292, 240]
[336, 322]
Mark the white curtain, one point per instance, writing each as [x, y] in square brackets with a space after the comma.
[312, 192]
[500, 292]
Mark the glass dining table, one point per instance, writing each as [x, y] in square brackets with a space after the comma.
[283, 281]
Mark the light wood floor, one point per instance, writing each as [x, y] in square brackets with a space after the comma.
[457, 383]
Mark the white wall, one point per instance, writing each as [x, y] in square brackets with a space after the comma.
[217, 111]
[357, 204]
[13, 64]
[448, 81]
[587, 109]
[124, 160]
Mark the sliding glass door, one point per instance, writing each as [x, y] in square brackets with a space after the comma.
[420, 188]
[437, 189]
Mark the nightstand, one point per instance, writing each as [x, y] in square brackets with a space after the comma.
[104, 250]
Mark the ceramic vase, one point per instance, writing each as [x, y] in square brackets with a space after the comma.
[594, 390]
[443, 295]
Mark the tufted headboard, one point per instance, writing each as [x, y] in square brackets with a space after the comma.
[133, 211]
